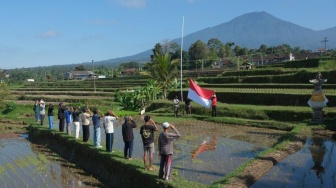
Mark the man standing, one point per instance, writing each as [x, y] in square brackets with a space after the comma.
[176, 106]
[61, 116]
[214, 106]
[147, 135]
[128, 136]
[165, 145]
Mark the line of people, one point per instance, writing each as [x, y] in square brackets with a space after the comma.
[69, 116]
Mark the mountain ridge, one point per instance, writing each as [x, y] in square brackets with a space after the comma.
[250, 30]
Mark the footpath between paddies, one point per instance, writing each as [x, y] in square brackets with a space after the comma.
[111, 169]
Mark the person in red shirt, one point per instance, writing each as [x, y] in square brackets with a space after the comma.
[214, 105]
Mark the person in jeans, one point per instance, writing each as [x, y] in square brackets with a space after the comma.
[86, 124]
[165, 145]
[68, 119]
[42, 111]
[76, 120]
[51, 115]
[147, 136]
[109, 120]
[128, 136]
[96, 128]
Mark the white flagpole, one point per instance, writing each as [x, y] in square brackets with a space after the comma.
[182, 56]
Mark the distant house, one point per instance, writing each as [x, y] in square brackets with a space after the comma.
[128, 72]
[102, 76]
[78, 75]
[30, 80]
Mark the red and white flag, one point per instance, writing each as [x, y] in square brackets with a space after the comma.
[200, 95]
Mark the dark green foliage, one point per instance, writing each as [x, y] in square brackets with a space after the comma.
[309, 63]
[10, 106]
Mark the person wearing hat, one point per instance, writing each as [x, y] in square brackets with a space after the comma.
[214, 105]
[165, 145]
[42, 111]
[128, 136]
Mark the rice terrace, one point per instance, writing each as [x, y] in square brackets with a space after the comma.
[264, 134]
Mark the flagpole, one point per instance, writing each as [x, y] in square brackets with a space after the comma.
[182, 56]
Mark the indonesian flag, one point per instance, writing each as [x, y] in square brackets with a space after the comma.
[200, 95]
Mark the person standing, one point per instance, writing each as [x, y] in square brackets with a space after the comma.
[109, 120]
[128, 136]
[61, 116]
[176, 106]
[68, 119]
[188, 106]
[147, 136]
[51, 115]
[86, 124]
[96, 128]
[36, 110]
[42, 111]
[214, 106]
[165, 145]
[76, 121]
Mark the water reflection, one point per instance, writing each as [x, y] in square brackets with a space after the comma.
[312, 166]
[23, 164]
[223, 150]
[317, 150]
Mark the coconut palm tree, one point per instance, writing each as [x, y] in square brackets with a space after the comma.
[163, 70]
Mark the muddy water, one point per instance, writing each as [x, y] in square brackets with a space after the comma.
[206, 151]
[23, 164]
[313, 166]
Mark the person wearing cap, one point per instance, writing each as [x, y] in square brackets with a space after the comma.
[42, 111]
[128, 136]
[61, 116]
[165, 145]
[51, 115]
[109, 120]
[214, 105]
[147, 136]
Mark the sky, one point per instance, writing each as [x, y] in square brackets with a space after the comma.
[37, 33]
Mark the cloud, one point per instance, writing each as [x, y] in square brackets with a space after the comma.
[49, 34]
[133, 3]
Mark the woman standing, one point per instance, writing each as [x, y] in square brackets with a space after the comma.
[108, 126]
[42, 111]
[75, 117]
[51, 115]
[86, 124]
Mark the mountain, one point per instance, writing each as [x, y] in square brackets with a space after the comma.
[251, 30]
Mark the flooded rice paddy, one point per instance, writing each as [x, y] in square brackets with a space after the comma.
[312, 166]
[205, 153]
[23, 164]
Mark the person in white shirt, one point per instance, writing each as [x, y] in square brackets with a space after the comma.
[108, 124]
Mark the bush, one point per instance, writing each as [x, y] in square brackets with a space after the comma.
[10, 106]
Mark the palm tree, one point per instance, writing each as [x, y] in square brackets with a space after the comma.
[163, 70]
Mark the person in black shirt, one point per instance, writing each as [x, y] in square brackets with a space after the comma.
[147, 135]
[61, 116]
[128, 136]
